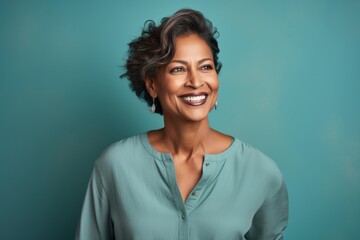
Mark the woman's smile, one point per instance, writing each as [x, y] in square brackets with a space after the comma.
[194, 99]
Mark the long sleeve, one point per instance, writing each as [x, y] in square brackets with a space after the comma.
[271, 219]
[95, 222]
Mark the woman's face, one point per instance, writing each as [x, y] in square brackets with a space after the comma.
[187, 87]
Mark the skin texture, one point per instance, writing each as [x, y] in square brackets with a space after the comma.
[187, 134]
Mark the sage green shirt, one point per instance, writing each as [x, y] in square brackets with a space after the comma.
[133, 195]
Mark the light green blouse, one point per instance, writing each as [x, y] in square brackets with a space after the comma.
[133, 195]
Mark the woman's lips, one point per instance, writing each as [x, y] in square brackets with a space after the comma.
[194, 99]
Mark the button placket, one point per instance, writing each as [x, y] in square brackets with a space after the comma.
[194, 197]
[183, 227]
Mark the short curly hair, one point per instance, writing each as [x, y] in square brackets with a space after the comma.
[156, 47]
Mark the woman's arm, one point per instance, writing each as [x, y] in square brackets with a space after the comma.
[95, 222]
[271, 219]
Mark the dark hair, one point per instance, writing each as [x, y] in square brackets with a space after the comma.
[156, 47]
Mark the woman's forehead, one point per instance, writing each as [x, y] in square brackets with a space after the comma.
[191, 46]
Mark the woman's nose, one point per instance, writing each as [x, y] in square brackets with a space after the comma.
[194, 80]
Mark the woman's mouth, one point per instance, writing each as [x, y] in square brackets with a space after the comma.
[194, 99]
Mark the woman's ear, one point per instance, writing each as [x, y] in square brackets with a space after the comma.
[151, 87]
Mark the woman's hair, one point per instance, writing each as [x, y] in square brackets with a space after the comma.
[156, 47]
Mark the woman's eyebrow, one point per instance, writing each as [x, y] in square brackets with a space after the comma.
[205, 59]
[179, 61]
[185, 62]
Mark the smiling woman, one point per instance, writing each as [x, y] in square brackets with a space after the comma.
[187, 86]
[185, 180]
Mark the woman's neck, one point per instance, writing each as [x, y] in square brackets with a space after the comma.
[190, 140]
[186, 138]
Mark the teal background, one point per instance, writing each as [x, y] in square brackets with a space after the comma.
[289, 86]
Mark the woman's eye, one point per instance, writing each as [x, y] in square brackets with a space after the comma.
[207, 67]
[177, 69]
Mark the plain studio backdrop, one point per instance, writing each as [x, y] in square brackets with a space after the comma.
[289, 86]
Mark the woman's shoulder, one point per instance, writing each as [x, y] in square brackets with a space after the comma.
[252, 155]
[119, 151]
[258, 164]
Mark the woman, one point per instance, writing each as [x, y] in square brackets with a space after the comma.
[186, 180]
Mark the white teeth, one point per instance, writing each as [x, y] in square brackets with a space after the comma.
[194, 98]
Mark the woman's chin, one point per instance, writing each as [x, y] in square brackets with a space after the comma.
[196, 115]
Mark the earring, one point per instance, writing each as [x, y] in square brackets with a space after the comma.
[153, 107]
[215, 105]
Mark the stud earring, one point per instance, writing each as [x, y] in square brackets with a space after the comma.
[215, 105]
[153, 107]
